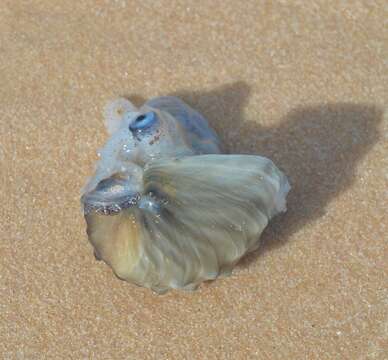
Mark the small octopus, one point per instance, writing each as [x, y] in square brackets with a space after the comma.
[166, 209]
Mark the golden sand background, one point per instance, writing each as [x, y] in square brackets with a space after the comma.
[302, 82]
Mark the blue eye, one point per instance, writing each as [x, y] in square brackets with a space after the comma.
[143, 121]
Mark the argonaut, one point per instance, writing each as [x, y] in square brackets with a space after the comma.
[165, 208]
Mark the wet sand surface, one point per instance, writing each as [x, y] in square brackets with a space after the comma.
[304, 83]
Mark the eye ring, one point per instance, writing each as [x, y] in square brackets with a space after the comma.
[143, 121]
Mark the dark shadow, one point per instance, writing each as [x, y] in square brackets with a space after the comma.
[318, 147]
[136, 99]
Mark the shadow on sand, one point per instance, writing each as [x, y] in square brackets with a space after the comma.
[318, 147]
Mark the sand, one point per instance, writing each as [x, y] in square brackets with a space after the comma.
[302, 82]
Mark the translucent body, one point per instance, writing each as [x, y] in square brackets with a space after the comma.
[165, 209]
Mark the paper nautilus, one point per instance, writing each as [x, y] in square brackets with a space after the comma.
[165, 209]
